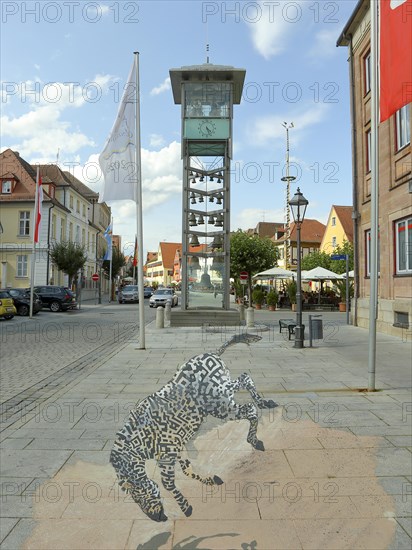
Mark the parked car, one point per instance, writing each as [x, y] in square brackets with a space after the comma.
[163, 295]
[57, 298]
[129, 293]
[148, 291]
[7, 308]
[21, 299]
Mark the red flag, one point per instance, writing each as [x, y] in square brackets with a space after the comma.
[395, 56]
[37, 215]
[135, 253]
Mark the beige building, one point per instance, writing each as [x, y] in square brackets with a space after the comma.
[160, 268]
[70, 212]
[311, 235]
[395, 188]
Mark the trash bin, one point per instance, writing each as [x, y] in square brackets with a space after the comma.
[315, 328]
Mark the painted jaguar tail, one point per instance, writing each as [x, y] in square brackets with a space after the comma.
[245, 338]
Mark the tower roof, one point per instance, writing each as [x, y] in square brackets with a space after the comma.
[207, 72]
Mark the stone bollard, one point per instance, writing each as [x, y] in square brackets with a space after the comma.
[160, 317]
[168, 311]
[242, 312]
[250, 317]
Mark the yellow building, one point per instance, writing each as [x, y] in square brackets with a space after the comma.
[338, 229]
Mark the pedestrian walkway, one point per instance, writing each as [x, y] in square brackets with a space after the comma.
[336, 472]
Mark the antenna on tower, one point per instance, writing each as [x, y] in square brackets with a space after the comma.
[287, 179]
[207, 53]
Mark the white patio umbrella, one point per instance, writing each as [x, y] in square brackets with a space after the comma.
[274, 273]
[351, 274]
[321, 274]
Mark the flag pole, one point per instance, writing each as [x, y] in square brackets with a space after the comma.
[111, 260]
[139, 210]
[33, 254]
[373, 300]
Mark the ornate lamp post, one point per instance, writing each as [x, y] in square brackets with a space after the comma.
[298, 205]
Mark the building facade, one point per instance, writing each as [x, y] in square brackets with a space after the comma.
[339, 228]
[70, 212]
[395, 188]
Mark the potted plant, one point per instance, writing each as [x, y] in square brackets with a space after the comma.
[258, 297]
[272, 299]
[341, 288]
[291, 289]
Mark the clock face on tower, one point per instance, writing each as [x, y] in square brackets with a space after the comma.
[207, 128]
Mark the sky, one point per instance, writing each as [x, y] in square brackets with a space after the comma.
[63, 69]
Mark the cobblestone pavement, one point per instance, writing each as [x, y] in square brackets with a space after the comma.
[336, 472]
[41, 352]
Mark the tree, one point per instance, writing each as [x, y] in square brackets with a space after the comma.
[68, 257]
[339, 266]
[252, 254]
[118, 261]
[322, 259]
[316, 259]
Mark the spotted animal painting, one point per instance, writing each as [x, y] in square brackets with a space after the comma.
[161, 424]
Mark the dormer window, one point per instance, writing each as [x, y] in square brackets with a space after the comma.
[6, 187]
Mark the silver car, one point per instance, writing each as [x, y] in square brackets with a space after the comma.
[162, 296]
[129, 293]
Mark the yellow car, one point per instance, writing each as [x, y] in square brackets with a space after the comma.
[7, 309]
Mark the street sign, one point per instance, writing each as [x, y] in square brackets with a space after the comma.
[95, 277]
[338, 257]
[243, 275]
[243, 281]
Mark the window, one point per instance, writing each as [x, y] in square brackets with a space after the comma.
[77, 238]
[403, 231]
[53, 226]
[24, 224]
[71, 202]
[334, 242]
[401, 319]
[367, 69]
[206, 99]
[368, 252]
[368, 151]
[6, 187]
[403, 128]
[333, 221]
[83, 237]
[21, 265]
[84, 211]
[62, 230]
[78, 206]
[71, 232]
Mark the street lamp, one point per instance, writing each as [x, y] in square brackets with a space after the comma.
[298, 205]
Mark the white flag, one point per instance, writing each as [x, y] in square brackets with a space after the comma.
[118, 160]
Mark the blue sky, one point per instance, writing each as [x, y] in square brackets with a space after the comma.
[76, 56]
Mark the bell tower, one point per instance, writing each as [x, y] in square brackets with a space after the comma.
[207, 94]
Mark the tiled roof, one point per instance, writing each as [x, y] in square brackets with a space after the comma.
[344, 214]
[168, 253]
[53, 172]
[311, 232]
[81, 187]
[265, 229]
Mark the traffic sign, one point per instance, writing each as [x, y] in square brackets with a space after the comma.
[243, 275]
[95, 277]
[338, 257]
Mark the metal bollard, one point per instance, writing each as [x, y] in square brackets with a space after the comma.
[160, 317]
[168, 311]
[242, 312]
[250, 317]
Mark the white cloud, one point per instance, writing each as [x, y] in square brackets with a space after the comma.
[267, 129]
[43, 128]
[269, 31]
[163, 87]
[156, 140]
[324, 44]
